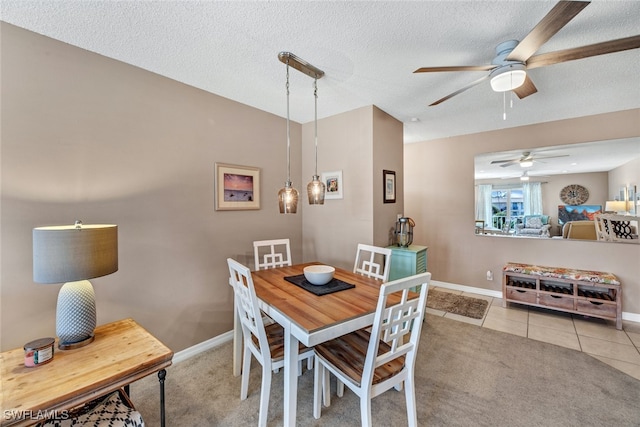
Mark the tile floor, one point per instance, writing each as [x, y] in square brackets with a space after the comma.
[596, 337]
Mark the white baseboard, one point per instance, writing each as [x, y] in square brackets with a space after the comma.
[228, 336]
[470, 289]
[203, 346]
[631, 317]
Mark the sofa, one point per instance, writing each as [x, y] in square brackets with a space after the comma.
[534, 225]
[583, 230]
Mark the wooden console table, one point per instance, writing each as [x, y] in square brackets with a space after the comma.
[588, 293]
[122, 352]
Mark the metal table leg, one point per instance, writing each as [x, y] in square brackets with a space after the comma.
[161, 375]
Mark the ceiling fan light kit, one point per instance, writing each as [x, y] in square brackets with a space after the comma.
[526, 163]
[508, 77]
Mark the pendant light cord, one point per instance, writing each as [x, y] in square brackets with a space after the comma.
[315, 95]
[288, 134]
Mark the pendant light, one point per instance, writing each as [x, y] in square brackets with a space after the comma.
[288, 196]
[315, 189]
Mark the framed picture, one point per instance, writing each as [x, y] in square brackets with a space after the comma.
[568, 213]
[237, 187]
[333, 183]
[389, 186]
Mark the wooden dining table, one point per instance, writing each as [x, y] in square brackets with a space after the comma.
[308, 318]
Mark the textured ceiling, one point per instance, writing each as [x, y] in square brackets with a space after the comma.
[368, 50]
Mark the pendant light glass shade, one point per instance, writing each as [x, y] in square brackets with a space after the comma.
[288, 199]
[315, 189]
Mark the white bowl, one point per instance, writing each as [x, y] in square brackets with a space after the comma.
[319, 274]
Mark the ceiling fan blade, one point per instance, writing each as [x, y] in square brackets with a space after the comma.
[509, 163]
[456, 68]
[527, 88]
[550, 157]
[596, 49]
[558, 17]
[495, 162]
[459, 91]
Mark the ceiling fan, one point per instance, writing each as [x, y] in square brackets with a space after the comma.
[508, 70]
[526, 160]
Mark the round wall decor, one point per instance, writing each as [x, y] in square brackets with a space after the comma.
[574, 194]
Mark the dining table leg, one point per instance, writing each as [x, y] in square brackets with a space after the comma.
[290, 377]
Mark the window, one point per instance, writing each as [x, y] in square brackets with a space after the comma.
[508, 208]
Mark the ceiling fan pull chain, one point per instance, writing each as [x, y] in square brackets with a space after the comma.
[504, 106]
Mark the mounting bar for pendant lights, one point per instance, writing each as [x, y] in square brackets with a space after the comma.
[300, 65]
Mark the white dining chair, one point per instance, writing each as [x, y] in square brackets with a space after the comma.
[372, 363]
[265, 343]
[373, 261]
[272, 253]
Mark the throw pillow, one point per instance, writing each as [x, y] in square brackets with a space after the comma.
[622, 229]
[535, 222]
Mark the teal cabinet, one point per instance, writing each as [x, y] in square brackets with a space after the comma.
[407, 261]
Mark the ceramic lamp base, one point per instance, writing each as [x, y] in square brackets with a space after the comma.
[75, 315]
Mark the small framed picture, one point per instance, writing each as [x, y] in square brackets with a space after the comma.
[236, 187]
[333, 183]
[389, 186]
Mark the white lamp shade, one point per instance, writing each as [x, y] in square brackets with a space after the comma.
[68, 254]
[508, 77]
[615, 206]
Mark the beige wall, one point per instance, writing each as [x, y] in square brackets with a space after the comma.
[86, 137]
[439, 195]
[387, 155]
[360, 143]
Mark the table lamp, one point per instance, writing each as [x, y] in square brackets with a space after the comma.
[74, 254]
[617, 206]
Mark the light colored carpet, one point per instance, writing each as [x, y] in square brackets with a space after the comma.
[466, 376]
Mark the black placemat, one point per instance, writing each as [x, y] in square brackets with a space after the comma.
[334, 285]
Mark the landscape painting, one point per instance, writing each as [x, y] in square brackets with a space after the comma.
[237, 187]
[568, 213]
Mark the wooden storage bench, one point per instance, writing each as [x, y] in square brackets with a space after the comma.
[589, 293]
